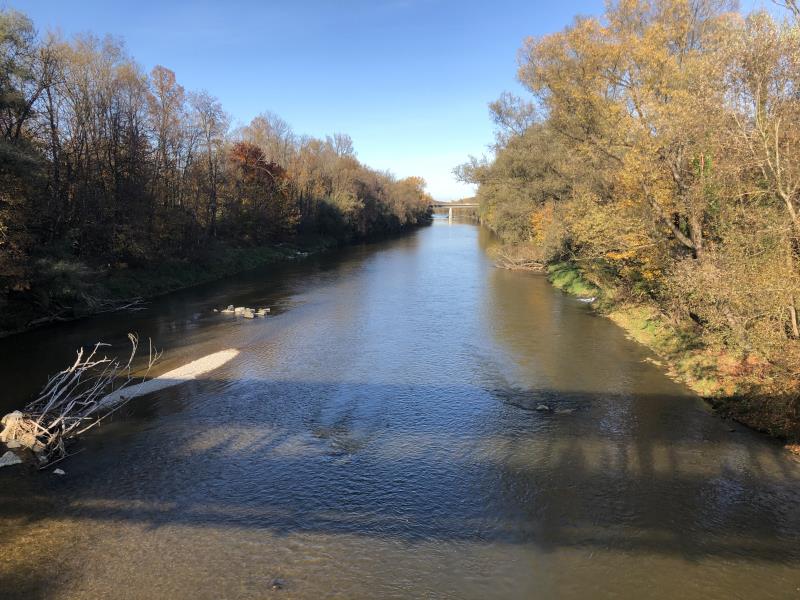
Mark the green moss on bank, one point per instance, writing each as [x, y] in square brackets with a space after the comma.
[567, 277]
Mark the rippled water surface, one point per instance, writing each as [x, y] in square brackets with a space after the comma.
[377, 437]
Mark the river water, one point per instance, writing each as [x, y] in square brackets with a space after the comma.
[377, 437]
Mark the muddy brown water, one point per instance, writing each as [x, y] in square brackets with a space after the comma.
[377, 437]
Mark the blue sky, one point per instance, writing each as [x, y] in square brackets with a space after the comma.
[409, 80]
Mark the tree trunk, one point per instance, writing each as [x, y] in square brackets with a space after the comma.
[793, 319]
[790, 263]
[696, 235]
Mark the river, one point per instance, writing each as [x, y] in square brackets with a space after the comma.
[378, 437]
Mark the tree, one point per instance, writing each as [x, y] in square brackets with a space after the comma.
[266, 211]
[212, 123]
[166, 112]
[20, 164]
[342, 144]
[273, 135]
[763, 69]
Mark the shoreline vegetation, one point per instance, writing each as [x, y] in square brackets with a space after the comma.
[711, 373]
[655, 164]
[117, 184]
[130, 289]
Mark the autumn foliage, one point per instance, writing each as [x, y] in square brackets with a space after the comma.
[659, 152]
[104, 166]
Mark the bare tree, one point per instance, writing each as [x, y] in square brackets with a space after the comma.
[793, 6]
[212, 123]
[342, 144]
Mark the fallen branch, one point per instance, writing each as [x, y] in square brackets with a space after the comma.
[95, 306]
[106, 305]
[506, 261]
[71, 401]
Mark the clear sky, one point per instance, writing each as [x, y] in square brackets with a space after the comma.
[408, 80]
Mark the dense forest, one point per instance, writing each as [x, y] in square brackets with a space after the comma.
[106, 168]
[658, 159]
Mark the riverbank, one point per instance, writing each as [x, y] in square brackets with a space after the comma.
[69, 289]
[745, 389]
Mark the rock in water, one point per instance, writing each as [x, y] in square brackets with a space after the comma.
[18, 431]
[248, 313]
[277, 584]
[10, 425]
[543, 407]
[9, 458]
[58, 472]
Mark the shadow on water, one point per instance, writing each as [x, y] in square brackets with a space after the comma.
[549, 478]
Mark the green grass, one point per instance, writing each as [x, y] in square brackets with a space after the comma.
[567, 277]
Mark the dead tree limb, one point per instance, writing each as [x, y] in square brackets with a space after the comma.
[70, 403]
[517, 263]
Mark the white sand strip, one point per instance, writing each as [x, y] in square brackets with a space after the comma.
[187, 372]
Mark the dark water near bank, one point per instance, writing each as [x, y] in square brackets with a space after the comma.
[378, 437]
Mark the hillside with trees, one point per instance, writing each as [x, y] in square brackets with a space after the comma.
[656, 164]
[106, 169]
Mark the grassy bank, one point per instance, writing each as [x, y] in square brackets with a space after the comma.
[66, 289]
[737, 387]
[567, 278]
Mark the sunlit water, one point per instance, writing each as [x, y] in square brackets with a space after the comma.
[377, 437]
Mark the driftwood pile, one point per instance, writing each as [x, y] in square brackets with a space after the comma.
[518, 262]
[91, 305]
[72, 402]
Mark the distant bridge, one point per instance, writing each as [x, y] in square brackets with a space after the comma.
[451, 205]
